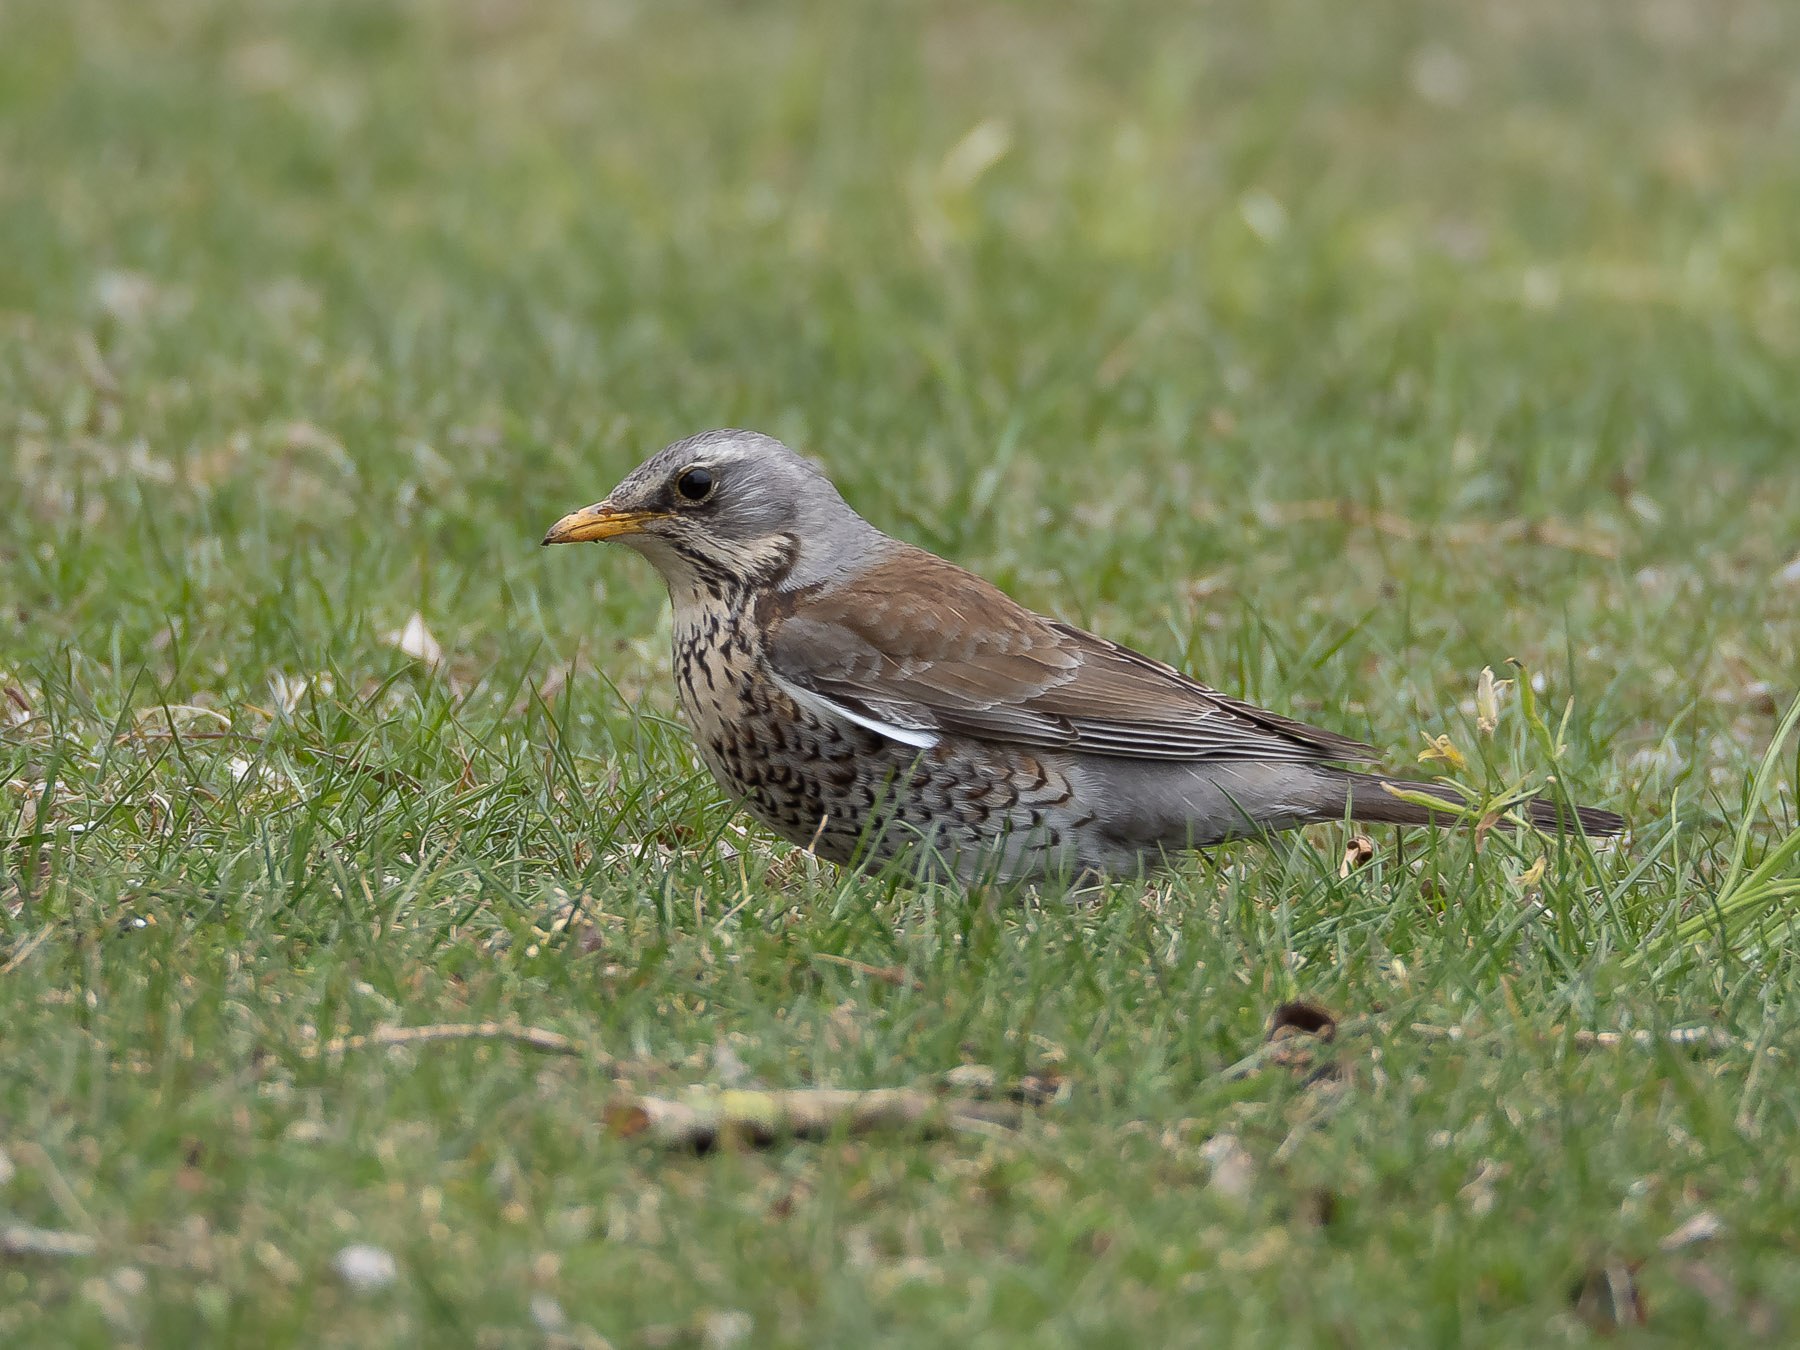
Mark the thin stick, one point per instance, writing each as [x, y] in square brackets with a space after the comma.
[1712, 1038]
[26, 948]
[20, 1239]
[703, 1119]
[887, 974]
[536, 1038]
[1708, 1038]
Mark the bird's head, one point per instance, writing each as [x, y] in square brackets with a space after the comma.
[725, 508]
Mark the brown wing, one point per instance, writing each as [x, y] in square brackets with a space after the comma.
[918, 647]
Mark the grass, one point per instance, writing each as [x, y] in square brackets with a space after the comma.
[1334, 357]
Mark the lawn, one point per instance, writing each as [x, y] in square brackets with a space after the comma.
[1333, 353]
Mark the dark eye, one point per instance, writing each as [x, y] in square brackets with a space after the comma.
[695, 484]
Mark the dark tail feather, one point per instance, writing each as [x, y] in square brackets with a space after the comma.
[1371, 802]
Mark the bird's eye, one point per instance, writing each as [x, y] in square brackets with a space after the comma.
[695, 484]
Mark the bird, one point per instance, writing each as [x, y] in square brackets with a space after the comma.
[875, 703]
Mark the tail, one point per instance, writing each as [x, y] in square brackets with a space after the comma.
[1371, 802]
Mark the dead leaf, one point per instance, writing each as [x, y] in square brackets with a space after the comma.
[1317, 1208]
[984, 145]
[1359, 852]
[1479, 1195]
[1040, 1088]
[1704, 1226]
[1233, 1169]
[415, 640]
[1296, 1032]
[1607, 1297]
[555, 679]
[1300, 1018]
[1198, 590]
[728, 1066]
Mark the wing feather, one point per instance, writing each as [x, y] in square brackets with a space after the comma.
[915, 647]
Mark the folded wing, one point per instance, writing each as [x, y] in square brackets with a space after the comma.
[917, 648]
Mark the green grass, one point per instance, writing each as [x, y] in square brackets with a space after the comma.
[314, 315]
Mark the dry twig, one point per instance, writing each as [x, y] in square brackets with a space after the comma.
[893, 975]
[702, 1119]
[1705, 1038]
[19, 1239]
[26, 948]
[536, 1038]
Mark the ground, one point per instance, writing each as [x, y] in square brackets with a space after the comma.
[1334, 353]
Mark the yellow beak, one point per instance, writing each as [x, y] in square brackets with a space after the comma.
[602, 520]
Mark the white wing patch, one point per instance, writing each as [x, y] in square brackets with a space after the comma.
[922, 738]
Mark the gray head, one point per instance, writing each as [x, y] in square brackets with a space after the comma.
[724, 507]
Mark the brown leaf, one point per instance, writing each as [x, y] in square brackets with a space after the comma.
[1359, 852]
[1317, 1208]
[1607, 1297]
[1296, 1032]
[1479, 1195]
[1233, 1169]
[1040, 1088]
[414, 639]
[626, 1120]
[1701, 1227]
[1300, 1018]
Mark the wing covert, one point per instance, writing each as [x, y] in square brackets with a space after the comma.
[919, 645]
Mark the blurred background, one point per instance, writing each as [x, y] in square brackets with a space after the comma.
[1432, 325]
[1333, 351]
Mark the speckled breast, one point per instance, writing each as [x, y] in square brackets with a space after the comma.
[972, 809]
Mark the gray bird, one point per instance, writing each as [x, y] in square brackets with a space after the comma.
[867, 699]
